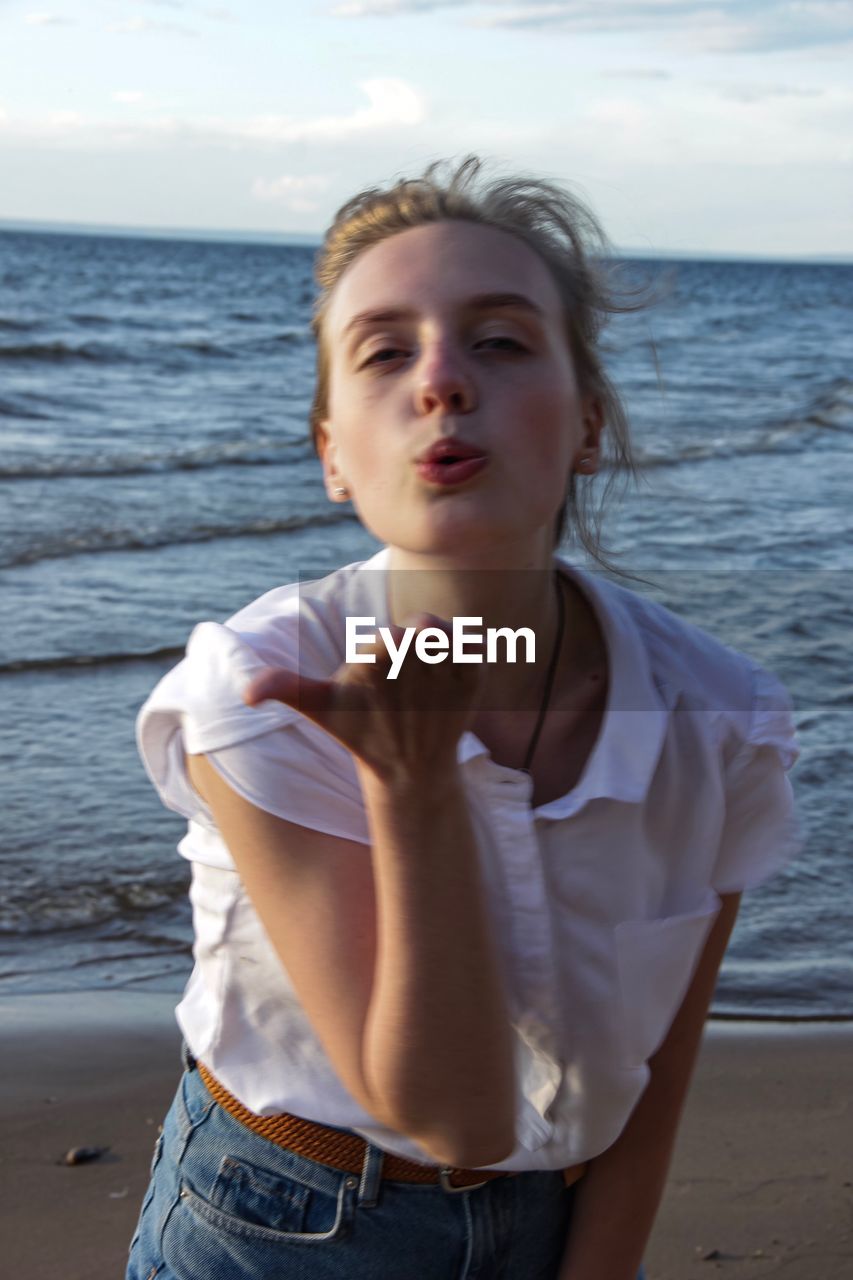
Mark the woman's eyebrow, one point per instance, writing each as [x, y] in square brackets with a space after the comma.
[481, 302]
[380, 316]
[495, 301]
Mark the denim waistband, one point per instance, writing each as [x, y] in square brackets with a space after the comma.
[371, 1171]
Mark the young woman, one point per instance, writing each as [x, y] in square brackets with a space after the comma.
[457, 931]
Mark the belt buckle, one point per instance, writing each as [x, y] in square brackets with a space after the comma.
[444, 1178]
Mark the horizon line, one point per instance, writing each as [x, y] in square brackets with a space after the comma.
[314, 239]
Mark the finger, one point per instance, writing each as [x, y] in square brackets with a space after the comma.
[278, 684]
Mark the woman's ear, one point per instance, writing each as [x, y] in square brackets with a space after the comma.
[335, 481]
[588, 456]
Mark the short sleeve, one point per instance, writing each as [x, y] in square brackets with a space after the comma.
[761, 831]
[273, 756]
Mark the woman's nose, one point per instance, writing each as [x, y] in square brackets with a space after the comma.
[444, 383]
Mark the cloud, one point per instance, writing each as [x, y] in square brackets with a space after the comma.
[390, 8]
[217, 12]
[636, 73]
[128, 96]
[693, 125]
[291, 191]
[761, 92]
[391, 103]
[534, 11]
[711, 25]
[48, 20]
[133, 26]
[53, 126]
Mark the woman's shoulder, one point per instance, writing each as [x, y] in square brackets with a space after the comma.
[278, 759]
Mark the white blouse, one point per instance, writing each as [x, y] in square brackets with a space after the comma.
[602, 899]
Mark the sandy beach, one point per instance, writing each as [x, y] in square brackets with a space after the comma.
[761, 1185]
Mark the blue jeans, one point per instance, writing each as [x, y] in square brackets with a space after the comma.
[225, 1204]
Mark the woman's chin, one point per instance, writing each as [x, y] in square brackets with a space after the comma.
[460, 533]
[452, 538]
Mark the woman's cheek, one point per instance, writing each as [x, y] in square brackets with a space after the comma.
[554, 425]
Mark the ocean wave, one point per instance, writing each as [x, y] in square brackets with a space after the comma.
[74, 906]
[831, 409]
[16, 666]
[234, 453]
[12, 409]
[255, 345]
[96, 320]
[834, 408]
[94, 352]
[203, 347]
[286, 337]
[771, 442]
[60, 352]
[100, 541]
[17, 325]
[89, 321]
[155, 353]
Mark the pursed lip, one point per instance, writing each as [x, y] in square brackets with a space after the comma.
[450, 447]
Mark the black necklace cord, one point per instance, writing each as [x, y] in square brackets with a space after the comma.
[549, 679]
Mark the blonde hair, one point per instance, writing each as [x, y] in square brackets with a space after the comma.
[565, 234]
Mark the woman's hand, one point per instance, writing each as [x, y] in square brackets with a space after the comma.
[401, 728]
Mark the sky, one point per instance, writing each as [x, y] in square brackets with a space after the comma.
[719, 126]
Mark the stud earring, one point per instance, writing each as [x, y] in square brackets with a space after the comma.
[340, 490]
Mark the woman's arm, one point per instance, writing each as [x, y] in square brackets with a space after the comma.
[438, 1045]
[391, 953]
[617, 1199]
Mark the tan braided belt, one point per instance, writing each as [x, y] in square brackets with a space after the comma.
[346, 1151]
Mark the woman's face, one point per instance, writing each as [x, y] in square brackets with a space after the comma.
[453, 329]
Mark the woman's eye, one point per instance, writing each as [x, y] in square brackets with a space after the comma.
[501, 342]
[383, 356]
